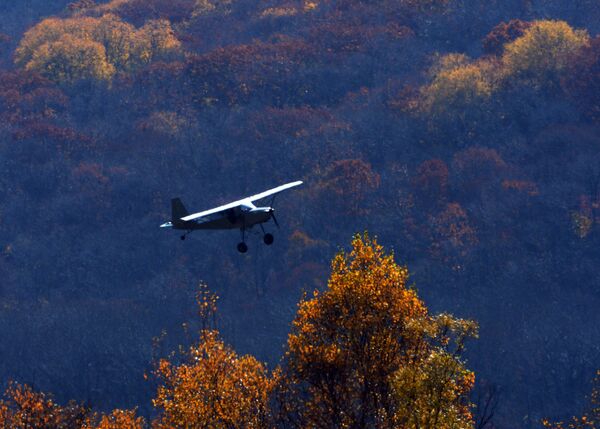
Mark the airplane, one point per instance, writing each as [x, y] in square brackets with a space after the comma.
[241, 214]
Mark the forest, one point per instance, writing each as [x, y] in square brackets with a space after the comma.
[438, 268]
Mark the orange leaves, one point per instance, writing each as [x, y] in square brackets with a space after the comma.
[214, 387]
[22, 408]
[348, 343]
[118, 419]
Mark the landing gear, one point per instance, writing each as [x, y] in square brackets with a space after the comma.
[242, 247]
[185, 235]
[268, 239]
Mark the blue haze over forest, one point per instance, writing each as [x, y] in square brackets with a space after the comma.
[464, 134]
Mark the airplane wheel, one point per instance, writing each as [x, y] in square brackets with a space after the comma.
[183, 237]
[242, 247]
[268, 239]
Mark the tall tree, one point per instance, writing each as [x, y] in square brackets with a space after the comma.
[213, 387]
[366, 352]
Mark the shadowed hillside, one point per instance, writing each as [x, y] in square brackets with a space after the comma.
[464, 134]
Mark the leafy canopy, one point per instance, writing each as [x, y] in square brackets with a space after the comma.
[542, 53]
[213, 387]
[66, 50]
[457, 83]
[366, 353]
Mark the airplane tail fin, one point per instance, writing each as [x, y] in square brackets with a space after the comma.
[178, 210]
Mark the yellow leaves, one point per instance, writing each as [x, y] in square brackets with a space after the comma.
[348, 342]
[204, 7]
[430, 393]
[69, 59]
[67, 50]
[457, 82]
[207, 304]
[543, 52]
[155, 39]
[116, 36]
[538, 58]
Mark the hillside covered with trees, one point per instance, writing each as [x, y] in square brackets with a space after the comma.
[464, 134]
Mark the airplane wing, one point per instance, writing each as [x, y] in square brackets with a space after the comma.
[248, 202]
[216, 210]
[274, 191]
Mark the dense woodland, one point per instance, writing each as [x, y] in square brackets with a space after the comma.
[463, 134]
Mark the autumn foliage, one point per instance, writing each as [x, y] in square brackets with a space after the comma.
[68, 50]
[366, 353]
[24, 408]
[212, 386]
[465, 133]
[543, 52]
[363, 353]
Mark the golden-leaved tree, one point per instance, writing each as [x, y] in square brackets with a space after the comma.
[457, 83]
[213, 387]
[541, 55]
[366, 352]
[66, 50]
[70, 59]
